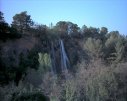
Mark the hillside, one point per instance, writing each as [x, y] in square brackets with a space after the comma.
[61, 63]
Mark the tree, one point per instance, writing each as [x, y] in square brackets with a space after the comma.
[1, 17]
[103, 30]
[22, 21]
[67, 27]
[93, 46]
[38, 30]
[70, 90]
[90, 32]
[3, 25]
[119, 48]
[7, 32]
[114, 47]
[62, 26]
[94, 30]
[101, 84]
[84, 29]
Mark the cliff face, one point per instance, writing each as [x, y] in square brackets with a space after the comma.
[66, 53]
[65, 50]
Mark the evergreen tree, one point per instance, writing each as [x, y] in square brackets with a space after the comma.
[1, 17]
[93, 46]
[22, 21]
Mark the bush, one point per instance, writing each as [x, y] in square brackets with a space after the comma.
[30, 96]
[22, 92]
[44, 62]
[101, 85]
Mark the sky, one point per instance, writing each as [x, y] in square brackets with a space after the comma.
[96, 13]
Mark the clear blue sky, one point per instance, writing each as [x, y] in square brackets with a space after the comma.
[97, 13]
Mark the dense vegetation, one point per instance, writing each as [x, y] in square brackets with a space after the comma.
[98, 62]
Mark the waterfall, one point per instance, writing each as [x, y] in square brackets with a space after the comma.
[59, 59]
[64, 58]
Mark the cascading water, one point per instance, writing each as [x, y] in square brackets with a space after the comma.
[64, 58]
[59, 59]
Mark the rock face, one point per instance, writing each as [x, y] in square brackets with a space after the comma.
[65, 53]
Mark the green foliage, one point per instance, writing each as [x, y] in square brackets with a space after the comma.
[70, 90]
[119, 47]
[22, 92]
[44, 62]
[23, 64]
[16, 72]
[120, 73]
[114, 47]
[103, 30]
[93, 46]
[53, 34]
[7, 32]
[112, 39]
[1, 17]
[62, 26]
[98, 82]
[93, 82]
[101, 86]
[22, 21]
[90, 32]
[29, 60]
[29, 96]
[33, 58]
[67, 28]
[39, 31]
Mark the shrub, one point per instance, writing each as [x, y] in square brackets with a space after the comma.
[101, 86]
[44, 62]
